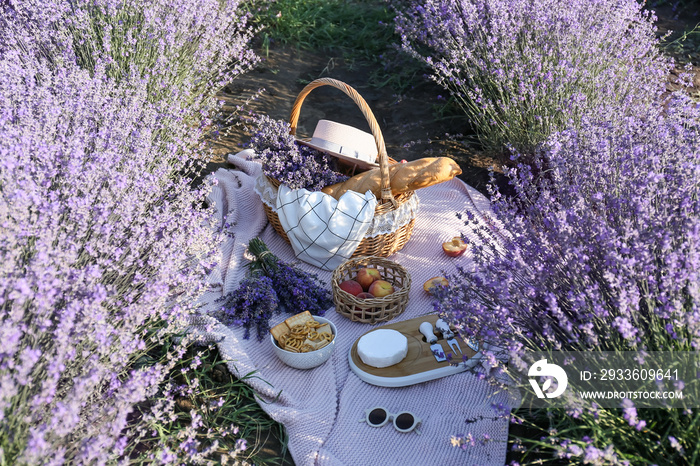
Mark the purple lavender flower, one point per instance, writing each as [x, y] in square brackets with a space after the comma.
[629, 413]
[600, 252]
[523, 69]
[675, 444]
[241, 445]
[104, 246]
[272, 286]
[597, 456]
[288, 162]
[251, 305]
[297, 290]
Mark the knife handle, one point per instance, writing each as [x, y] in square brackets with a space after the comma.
[426, 328]
[444, 328]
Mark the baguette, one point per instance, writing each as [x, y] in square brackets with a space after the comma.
[403, 177]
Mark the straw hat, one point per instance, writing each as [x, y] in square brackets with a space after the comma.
[345, 142]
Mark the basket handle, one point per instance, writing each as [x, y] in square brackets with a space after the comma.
[369, 116]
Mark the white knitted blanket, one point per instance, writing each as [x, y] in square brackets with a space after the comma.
[320, 408]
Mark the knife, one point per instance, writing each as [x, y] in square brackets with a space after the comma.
[449, 335]
[426, 328]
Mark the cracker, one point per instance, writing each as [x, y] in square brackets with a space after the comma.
[299, 319]
[278, 330]
[306, 348]
[301, 333]
[325, 328]
[315, 344]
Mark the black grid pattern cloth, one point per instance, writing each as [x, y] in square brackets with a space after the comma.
[323, 231]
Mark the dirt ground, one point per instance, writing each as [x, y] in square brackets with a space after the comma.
[675, 23]
[410, 123]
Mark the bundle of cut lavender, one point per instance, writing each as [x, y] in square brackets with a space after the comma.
[288, 162]
[272, 286]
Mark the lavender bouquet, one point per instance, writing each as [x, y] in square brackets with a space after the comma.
[251, 305]
[272, 286]
[288, 162]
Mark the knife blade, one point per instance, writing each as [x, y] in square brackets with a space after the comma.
[426, 328]
[449, 335]
[444, 328]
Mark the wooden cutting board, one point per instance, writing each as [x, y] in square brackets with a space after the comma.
[419, 365]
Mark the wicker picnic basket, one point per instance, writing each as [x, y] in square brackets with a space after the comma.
[372, 310]
[383, 244]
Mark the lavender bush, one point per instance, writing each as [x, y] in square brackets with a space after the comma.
[284, 160]
[601, 254]
[522, 70]
[104, 246]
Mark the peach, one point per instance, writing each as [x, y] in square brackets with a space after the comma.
[366, 276]
[362, 296]
[352, 287]
[454, 247]
[381, 288]
[433, 282]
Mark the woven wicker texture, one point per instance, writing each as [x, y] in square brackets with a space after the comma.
[371, 311]
[381, 245]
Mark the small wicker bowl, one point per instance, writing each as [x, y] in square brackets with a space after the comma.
[371, 310]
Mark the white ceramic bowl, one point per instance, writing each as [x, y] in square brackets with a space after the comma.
[312, 358]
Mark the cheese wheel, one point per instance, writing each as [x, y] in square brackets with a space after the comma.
[382, 348]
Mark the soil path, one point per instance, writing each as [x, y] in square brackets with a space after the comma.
[676, 23]
[409, 124]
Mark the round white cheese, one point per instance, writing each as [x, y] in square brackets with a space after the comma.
[382, 347]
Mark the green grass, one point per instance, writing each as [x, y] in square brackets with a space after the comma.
[228, 408]
[362, 27]
[684, 46]
[358, 30]
[536, 437]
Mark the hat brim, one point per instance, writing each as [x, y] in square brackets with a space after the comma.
[362, 164]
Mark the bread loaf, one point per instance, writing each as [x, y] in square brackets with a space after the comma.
[403, 177]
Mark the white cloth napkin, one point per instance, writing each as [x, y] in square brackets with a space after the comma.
[323, 231]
